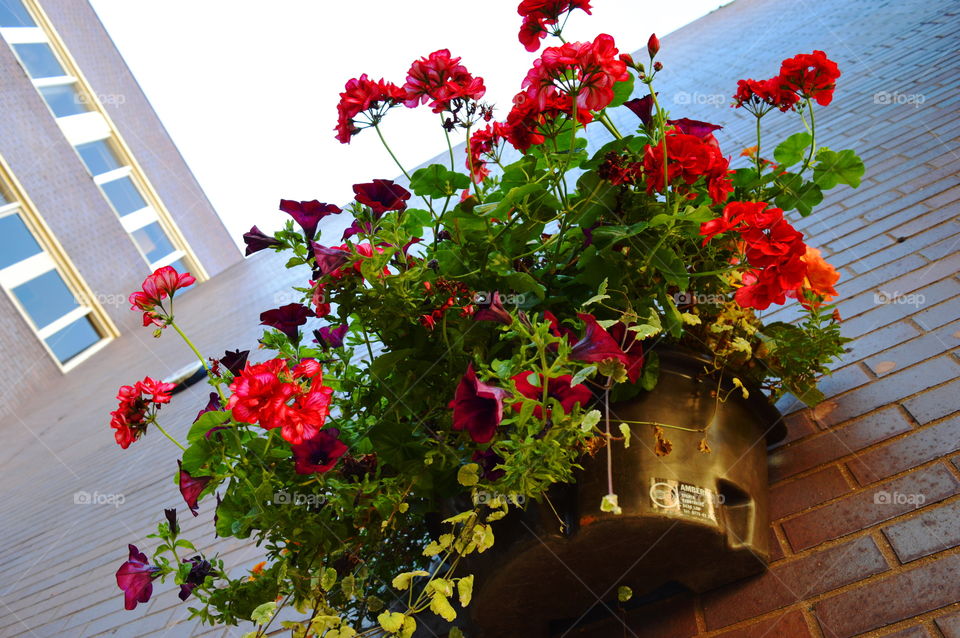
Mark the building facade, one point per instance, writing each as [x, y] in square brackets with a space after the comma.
[93, 194]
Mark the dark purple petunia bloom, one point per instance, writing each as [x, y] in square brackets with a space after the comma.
[171, 515]
[695, 127]
[329, 337]
[256, 240]
[287, 319]
[477, 407]
[488, 460]
[199, 570]
[135, 578]
[308, 214]
[491, 309]
[191, 487]
[597, 344]
[213, 404]
[318, 454]
[381, 195]
[642, 107]
[329, 259]
[356, 228]
[234, 361]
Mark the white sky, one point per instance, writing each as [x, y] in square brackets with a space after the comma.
[249, 93]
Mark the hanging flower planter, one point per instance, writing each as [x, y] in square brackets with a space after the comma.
[692, 493]
[569, 345]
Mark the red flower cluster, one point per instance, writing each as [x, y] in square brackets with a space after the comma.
[811, 76]
[526, 119]
[163, 283]
[586, 71]
[440, 80]
[458, 295]
[781, 264]
[540, 14]
[690, 158]
[273, 395]
[331, 261]
[364, 95]
[131, 418]
[558, 388]
[484, 142]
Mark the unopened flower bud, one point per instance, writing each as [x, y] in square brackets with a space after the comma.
[653, 45]
[627, 59]
[657, 66]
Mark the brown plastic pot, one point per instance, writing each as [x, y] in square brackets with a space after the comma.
[690, 519]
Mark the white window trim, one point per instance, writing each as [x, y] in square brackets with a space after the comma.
[26, 270]
[138, 219]
[82, 128]
[59, 324]
[24, 35]
[56, 80]
[109, 176]
[168, 259]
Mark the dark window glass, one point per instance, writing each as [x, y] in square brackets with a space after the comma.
[39, 60]
[72, 340]
[14, 14]
[99, 157]
[16, 241]
[153, 242]
[45, 298]
[123, 195]
[63, 100]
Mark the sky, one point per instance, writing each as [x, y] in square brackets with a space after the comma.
[249, 95]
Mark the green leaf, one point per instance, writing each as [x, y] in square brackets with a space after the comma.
[625, 433]
[437, 181]
[799, 195]
[590, 419]
[834, 168]
[624, 593]
[671, 266]
[622, 91]
[207, 421]
[651, 371]
[414, 219]
[791, 150]
[328, 578]
[263, 613]
[523, 282]
[468, 475]
[465, 590]
[442, 607]
[197, 455]
[402, 581]
[391, 621]
[409, 627]
[582, 375]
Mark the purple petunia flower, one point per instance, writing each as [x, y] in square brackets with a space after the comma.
[199, 570]
[256, 240]
[381, 195]
[329, 337]
[308, 214]
[491, 309]
[287, 319]
[191, 487]
[135, 578]
[318, 454]
[477, 407]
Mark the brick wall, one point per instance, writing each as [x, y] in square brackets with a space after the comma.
[847, 563]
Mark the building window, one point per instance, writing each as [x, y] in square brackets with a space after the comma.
[58, 313]
[87, 127]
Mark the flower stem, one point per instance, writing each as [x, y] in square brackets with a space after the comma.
[383, 141]
[196, 352]
[446, 134]
[167, 434]
[662, 124]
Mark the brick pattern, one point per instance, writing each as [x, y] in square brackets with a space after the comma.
[864, 489]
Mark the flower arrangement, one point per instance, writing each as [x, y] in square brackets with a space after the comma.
[469, 329]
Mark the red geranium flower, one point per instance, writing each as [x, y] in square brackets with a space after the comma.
[259, 393]
[484, 142]
[381, 195]
[440, 79]
[135, 578]
[810, 75]
[137, 409]
[759, 96]
[319, 453]
[477, 407]
[691, 158]
[191, 487]
[558, 388]
[539, 14]
[364, 95]
[163, 283]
